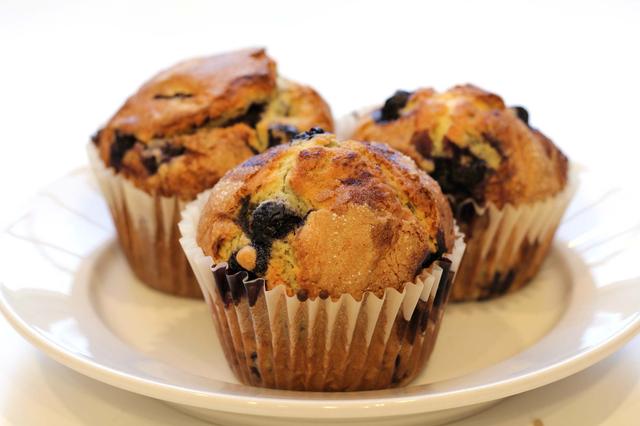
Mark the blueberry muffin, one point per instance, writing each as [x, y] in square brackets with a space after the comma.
[506, 181]
[178, 135]
[325, 245]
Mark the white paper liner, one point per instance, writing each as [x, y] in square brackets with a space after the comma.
[147, 231]
[497, 238]
[307, 338]
[501, 240]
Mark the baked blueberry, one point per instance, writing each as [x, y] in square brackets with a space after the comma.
[522, 113]
[205, 115]
[392, 106]
[327, 217]
[177, 136]
[121, 144]
[273, 220]
[280, 133]
[317, 229]
[305, 136]
[485, 160]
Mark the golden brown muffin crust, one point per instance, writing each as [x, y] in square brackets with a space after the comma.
[188, 125]
[195, 90]
[322, 215]
[471, 143]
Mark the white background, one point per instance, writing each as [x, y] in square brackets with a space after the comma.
[65, 67]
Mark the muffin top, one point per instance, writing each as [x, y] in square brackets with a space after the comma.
[471, 143]
[188, 125]
[325, 218]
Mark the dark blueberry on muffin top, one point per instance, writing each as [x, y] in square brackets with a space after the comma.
[391, 109]
[325, 217]
[185, 127]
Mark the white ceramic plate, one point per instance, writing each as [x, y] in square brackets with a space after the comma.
[65, 286]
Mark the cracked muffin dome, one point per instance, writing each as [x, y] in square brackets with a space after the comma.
[471, 143]
[188, 125]
[325, 218]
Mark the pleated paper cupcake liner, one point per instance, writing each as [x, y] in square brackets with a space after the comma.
[147, 231]
[275, 340]
[506, 247]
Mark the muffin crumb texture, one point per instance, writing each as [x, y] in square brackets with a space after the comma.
[475, 146]
[326, 218]
[188, 125]
[506, 181]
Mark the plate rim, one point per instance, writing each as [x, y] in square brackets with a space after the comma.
[247, 405]
[304, 408]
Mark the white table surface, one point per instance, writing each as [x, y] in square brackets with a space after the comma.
[66, 66]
